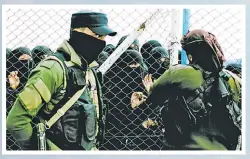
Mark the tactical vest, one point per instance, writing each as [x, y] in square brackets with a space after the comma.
[82, 126]
[209, 110]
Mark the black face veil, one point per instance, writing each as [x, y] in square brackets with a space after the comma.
[126, 71]
[156, 65]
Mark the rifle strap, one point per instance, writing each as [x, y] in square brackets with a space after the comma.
[60, 112]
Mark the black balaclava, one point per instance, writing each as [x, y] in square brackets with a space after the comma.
[156, 66]
[134, 46]
[86, 46]
[39, 53]
[147, 47]
[22, 66]
[102, 57]
[109, 49]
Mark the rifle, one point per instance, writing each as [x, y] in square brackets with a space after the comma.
[41, 137]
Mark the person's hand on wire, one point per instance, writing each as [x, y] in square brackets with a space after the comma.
[147, 82]
[14, 79]
[137, 99]
[149, 123]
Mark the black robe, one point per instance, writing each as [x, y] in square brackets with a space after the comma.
[124, 129]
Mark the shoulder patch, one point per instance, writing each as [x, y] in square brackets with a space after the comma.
[27, 102]
[43, 90]
[50, 61]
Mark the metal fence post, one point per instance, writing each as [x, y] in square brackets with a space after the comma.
[175, 35]
[186, 15]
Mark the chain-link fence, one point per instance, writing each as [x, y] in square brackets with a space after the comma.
[125, 126]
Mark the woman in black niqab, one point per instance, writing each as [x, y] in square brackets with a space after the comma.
[123, 78]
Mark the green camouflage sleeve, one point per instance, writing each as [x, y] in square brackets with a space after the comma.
[236, 90]
[174, 80]
[44, 80]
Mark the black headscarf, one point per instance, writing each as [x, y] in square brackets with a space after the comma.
[123, 79]
[102, 57]
[156, 66]
[109, 49]
[134, 46]
[22, 66]
[122, 69]
[8, 52]
[39, 52]
[147, 47]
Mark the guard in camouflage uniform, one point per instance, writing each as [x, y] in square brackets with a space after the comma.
[55, 81]
[199, 108]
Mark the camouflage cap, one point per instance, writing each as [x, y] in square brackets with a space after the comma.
[95, 21]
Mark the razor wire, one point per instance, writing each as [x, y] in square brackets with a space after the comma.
[49, 27]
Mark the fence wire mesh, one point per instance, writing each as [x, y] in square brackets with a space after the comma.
[125, 126]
